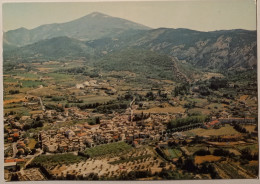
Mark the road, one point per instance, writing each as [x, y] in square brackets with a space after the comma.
[14, 149]
[29, 161]
[43, 107]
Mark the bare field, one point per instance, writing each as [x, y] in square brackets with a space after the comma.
[15, 98]
[243, 97]
[249, 128]
[207, 158]
[227, 130]
[43, 91]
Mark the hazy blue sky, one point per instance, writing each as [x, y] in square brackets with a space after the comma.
[204, 15]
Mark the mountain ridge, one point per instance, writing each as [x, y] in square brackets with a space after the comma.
[228, 49]
[88, 27]
[215, 50]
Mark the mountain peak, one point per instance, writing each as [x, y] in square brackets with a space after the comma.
[22, 28]
[90, 27]
[95, 14]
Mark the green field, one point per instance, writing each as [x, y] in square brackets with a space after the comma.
[252, 147]
[203, 111]
[32, 143]
[199, 102]
[193, 149]
[231, 170]
[107, 149]
[96, 99]
[174, 153]
[53, 160]
[22, 111]
[28, 75]
[31, 83]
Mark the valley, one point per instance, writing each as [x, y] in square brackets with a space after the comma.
[132, 104]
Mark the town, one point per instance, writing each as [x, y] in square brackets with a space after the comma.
[75, 130]
[104, 93]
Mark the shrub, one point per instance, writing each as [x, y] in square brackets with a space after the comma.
[202, 152]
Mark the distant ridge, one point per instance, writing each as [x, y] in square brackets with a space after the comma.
[53, 48]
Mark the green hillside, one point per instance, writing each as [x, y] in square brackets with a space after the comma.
[143, 62]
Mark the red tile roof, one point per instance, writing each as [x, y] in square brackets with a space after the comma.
[135, 142]
[214, 122]
[14, 160]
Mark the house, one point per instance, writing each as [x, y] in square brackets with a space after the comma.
[90, 142]
[24, 118]
[79, 86]
[16, 134]
[195, 89]
[135, 144]
[11, 166]
[212, 123]
[10, 139]
[52, 147]
[163, 144]
[14, 160]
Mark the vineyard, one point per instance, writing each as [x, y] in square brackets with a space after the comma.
[231, 171]
[108, 149]
[58, 159]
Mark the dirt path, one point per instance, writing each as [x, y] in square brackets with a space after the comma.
[43, 107]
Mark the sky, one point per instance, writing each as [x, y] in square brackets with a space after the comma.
[202, 15]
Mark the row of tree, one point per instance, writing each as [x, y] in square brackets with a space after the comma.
[58, 108]
[34, 124]
[240, 128]
[12, 92]
[182, 89]
[186, 121]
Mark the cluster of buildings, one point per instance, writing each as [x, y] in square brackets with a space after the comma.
[32, 174]
[216, 122]
[119, 128]
[12, 164]
[95, 86]
[12, 135]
